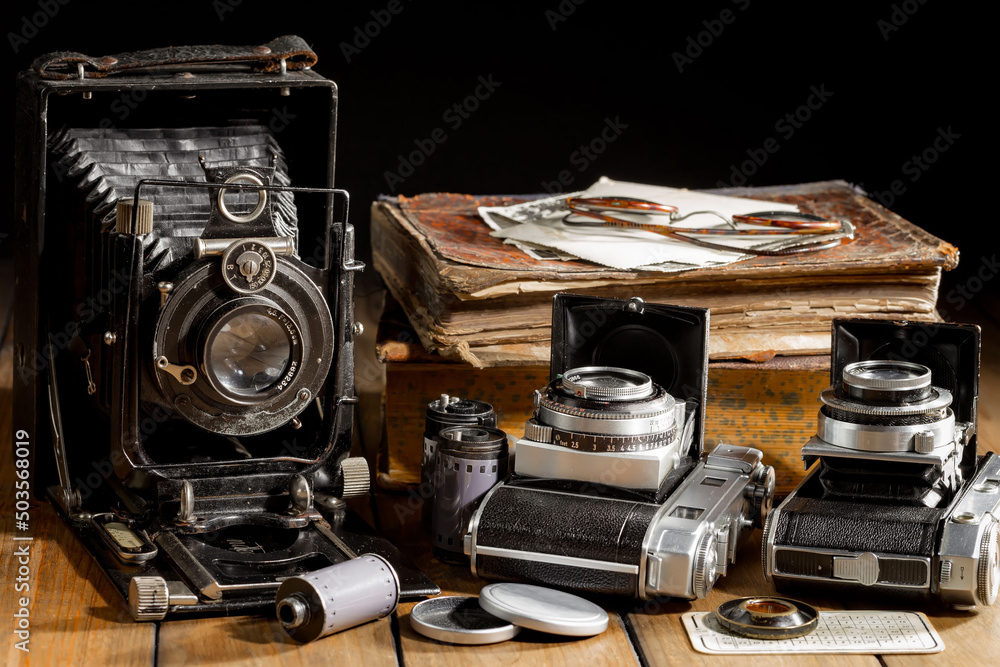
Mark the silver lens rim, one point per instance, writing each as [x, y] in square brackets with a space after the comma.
[635, 385]
[855, 375]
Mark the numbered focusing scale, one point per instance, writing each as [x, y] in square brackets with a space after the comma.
[603, 409]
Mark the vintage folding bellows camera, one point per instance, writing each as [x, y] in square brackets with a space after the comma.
[611, 492]
[185, 323]
[898, 500]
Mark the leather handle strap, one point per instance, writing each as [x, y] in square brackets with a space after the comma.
[291, 49]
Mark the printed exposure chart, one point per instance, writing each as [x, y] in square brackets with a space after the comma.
[838, 632]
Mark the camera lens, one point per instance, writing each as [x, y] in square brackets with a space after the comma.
[607, 383]
[886, 406]
[887, 381]
[247, 352]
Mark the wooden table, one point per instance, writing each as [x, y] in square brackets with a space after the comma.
[77, 618]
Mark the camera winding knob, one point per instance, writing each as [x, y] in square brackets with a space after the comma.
[704, 567]
[148, 598]
[356, 476]
[125, 209]
[989, 565]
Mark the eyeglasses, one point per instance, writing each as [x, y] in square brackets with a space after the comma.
[598, 212]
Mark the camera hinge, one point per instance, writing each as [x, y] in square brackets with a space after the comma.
[65, 495]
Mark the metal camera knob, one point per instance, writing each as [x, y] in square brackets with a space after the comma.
[357, 478]
[148, 598]
[125, 209]
[704, 567]
[989, 565]
[760, 493]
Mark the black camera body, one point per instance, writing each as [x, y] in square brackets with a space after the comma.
[898, 500]
[185, 328]
[611, 491]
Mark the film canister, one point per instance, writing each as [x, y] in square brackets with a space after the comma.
[336, 598]
[443, 413]
[470, 462]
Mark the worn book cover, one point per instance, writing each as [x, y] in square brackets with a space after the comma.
[470, 297]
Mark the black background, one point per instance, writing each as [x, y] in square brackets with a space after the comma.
[897, 74]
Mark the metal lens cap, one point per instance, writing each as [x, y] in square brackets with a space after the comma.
[459, 619]
[767, 617]
[544, 609]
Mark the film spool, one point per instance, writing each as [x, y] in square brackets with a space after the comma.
[445, 412]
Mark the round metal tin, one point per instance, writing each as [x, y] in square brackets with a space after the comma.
[767, 617]
[544, 609]
[458, 619]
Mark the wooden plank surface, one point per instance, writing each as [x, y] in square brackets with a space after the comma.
[612, 647]
[77, 618]
[256, 641]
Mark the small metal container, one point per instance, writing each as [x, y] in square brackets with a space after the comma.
[471, 460]
[443, 413]
[336, 598]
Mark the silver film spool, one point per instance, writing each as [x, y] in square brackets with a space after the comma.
[336, 598]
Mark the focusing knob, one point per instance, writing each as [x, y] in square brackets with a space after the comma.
[148, 598]
[760, 493]
[537, 432]
[356, 476]
[143, 218]
[704, 567]
[989, 565]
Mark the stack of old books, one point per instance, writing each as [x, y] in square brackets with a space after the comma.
[477, 313]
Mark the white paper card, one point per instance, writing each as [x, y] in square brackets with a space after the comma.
[878, 632]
